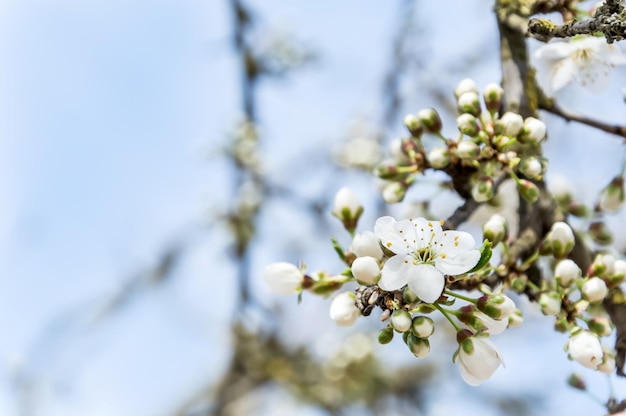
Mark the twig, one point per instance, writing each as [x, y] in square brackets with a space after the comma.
[551, 107]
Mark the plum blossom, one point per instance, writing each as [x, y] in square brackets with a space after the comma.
[424, 254]
[283, 278]
[478, 360]
[588, 61]
[343, 310]
[585, 348]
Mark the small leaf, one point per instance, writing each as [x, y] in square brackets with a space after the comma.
[485, 256]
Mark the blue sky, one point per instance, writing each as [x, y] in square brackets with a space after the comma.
[112, 115]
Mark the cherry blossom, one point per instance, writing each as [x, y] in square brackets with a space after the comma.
[424, 254]
[587, 61]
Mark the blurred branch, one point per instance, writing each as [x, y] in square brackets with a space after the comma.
[552, 107]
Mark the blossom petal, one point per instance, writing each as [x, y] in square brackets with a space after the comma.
[458, 264]
[468, 377]
[563, 73]
[554, 51]
[426, 282]
[484, 360]
[454, 243]
[494, 326]
[394, 235]
[395, 272]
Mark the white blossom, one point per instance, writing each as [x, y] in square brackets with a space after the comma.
[283, 278]
[346, 202]
[562, 239]
[566, 271]
[495, 229]
[367, 244]
[466, 85]
[587, 61]
[534, 130]
[401, 320]
[494, 326]
[424, 253]
[439, 157]
[478, 360]
[594, 289]
[366, 270]
[585, 348]
[550, 303]
[512, 123]
[343, 310]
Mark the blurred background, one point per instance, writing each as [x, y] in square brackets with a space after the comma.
[156, 155]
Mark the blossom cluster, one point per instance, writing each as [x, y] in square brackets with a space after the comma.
[488, 144]
[405, 268]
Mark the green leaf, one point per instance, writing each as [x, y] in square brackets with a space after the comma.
[485, 256]
[339, 249]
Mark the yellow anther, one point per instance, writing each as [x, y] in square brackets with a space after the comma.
[388, 244]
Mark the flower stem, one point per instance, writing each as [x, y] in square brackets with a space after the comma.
[445, 313]
[462, 297]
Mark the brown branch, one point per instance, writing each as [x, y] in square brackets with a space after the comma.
[609, 20]
[551, 107]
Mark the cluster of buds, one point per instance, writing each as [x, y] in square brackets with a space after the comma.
[575, 299]
[405, 269]
[488, 143]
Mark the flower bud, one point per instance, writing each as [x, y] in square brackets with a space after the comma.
[430, 119]
[496, 306]
[511, 124]
[518, 283]
[619, 271]
[439, 158]
[516, 319]
[528, 190]
[414, 126]
[409, 295]
[577, 382]
[600, 233]
[534, 130]
[600, 325]
[466, 123]
[496, 229]
[401, 320]
[386, 171]
[585, 348]
[397, 152]
[612, 196]
[502, 142]
[483, 190]
[283, 278]
[366, 270]
[466, 85]
[347, 208]
[343, 310]
[367, 244]
[594, 290]
[385, 335]
[467, 150]
[550, 303]
[608, 365]
[394, 192]
[562, 239]
[469, 102]
[420, 347]
[566, 272]
[492, 95]
[531, 167]
[603, 265]
[423, 326]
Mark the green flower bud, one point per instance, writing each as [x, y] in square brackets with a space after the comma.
[492, 95]
[420, 347]
[466, 123]
[467, 150]
[439, 158]
[385, 335]
[429, 117]
[612, 196]
[414, 126]
[423, 326]
[469, 102]
[528, 190]
[483, 190]
[600, 233]
[401, 320]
